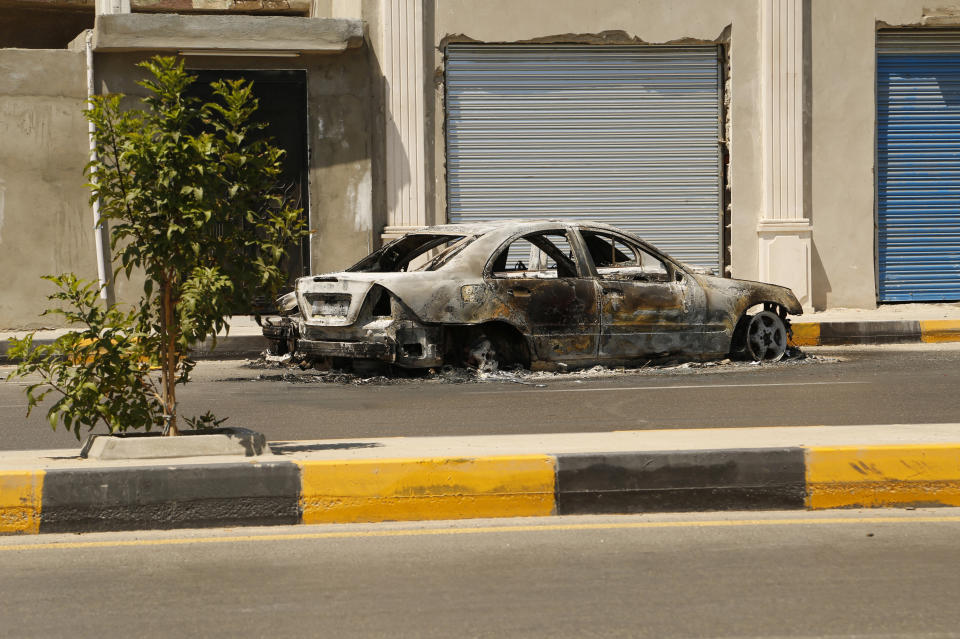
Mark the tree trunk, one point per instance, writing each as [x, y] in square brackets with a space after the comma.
[168, 360]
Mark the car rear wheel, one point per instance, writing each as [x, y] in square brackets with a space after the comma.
[494, 347]
[766, 337]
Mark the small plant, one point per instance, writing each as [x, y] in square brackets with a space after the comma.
[101, 371]
[194, 203]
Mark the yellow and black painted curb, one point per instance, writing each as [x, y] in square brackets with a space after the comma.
[289, 492]
[875, 332]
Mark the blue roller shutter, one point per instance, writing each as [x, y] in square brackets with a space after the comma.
[627, 135]
[918, 166]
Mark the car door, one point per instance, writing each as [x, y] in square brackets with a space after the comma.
[647, 305]
[539, 280]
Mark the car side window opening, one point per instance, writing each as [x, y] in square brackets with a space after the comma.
[542, 255]
[615, 259]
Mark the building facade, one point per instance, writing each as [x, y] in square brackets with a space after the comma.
[812, 143]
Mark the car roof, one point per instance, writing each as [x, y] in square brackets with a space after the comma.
[509, 225]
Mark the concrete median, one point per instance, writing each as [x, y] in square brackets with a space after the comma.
[474, 477]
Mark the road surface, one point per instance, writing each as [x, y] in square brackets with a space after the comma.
[846, 385]
[775, 574]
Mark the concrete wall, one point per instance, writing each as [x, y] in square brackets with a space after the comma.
[644, 21]
[843, 121]
[339, 137]
[46, 226]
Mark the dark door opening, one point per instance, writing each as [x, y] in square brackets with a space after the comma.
[282, 97]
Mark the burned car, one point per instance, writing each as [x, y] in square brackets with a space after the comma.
[531, 293]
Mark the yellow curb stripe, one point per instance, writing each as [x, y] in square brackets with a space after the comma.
[431, 488]
[851, 476]
[805, 334]
[934, 331]
[21, 495]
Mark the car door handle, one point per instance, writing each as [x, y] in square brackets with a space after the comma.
[613, 292]
[520, 292]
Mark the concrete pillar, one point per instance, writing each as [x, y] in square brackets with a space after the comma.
[352, 9]
[107, 7]
[404, 96]
[784, 231]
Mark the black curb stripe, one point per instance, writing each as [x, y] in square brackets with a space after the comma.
[746, 479]
[889, 332]
[132, 498]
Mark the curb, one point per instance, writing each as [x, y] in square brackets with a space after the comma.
[228, 347]
[375, 490]
[875, 332]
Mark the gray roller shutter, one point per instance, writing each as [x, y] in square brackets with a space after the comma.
[621, 134]
[918, 166]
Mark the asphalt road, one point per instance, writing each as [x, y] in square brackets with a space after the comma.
[798, 574]
[843, 386]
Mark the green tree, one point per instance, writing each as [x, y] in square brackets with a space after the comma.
[194, 201]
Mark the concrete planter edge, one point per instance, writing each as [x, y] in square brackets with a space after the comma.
[190, 443]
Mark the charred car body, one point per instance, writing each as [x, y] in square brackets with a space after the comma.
[533, 293]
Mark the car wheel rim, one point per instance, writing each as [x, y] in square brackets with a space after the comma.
[766, 337]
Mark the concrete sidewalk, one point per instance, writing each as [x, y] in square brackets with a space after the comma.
[400, 478]
[888, 324]
[244, 341]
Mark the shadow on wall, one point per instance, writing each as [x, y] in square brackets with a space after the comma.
[821, 283]
[398, 188]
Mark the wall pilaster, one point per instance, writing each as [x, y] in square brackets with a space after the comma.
[403, 60]
[784, 231]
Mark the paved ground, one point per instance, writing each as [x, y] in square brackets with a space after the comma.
[847, 385]
[838, 574]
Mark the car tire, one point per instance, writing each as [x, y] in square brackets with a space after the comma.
[765, 338]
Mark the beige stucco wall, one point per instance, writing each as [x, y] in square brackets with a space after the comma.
[46, 226]
[648, 21]
[843, 124]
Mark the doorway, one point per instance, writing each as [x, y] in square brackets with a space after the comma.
[282, 97]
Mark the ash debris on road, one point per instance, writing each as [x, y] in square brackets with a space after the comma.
[290, 369]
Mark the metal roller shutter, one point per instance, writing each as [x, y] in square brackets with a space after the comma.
[621, 134]
[918, 166]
